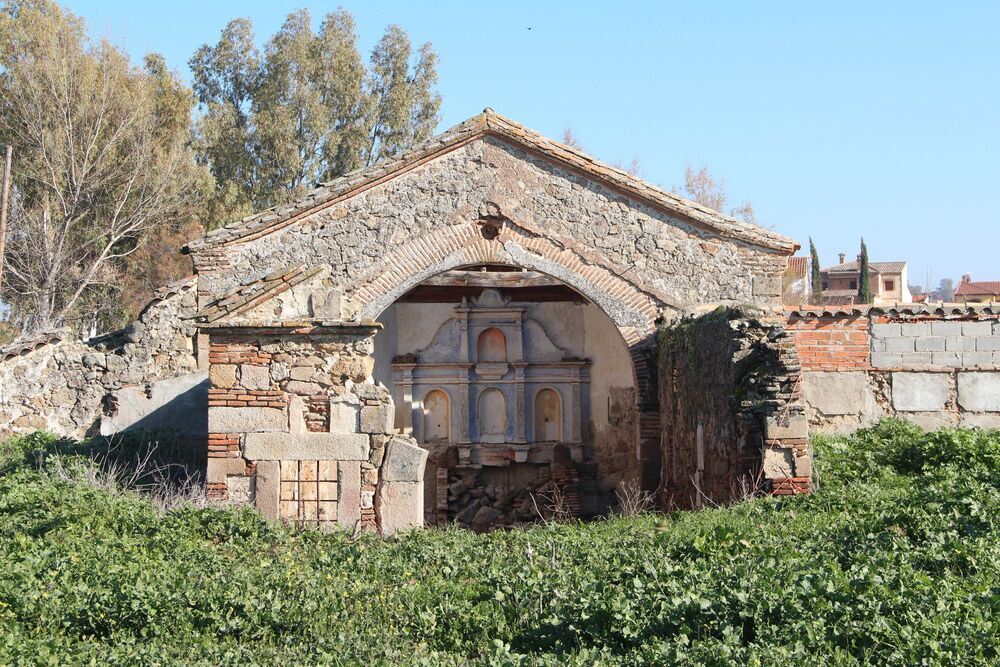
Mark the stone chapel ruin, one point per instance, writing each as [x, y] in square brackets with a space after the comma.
[454, 334]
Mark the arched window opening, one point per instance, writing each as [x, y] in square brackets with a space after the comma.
[437, 417]
[548, 416]
[491, 346]
[492, 416]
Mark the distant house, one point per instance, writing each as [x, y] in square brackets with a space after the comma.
[796, 284]
[888, 282]
[977, 292]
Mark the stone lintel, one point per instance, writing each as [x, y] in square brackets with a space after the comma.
[306, 446]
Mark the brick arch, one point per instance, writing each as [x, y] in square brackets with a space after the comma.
[633, 311]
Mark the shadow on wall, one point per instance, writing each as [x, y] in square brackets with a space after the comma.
[177, 406]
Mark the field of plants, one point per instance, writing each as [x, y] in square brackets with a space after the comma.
[895, 560]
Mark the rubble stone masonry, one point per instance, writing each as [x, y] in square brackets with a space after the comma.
[297, 429]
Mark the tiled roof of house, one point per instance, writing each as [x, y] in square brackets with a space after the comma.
[797, 266]
[488, 123]
[987, 287]
[876, 267]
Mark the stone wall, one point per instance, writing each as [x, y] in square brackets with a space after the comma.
[933, 366]
[298, 429]
[627, 256]
[731, 422]
[144, 376]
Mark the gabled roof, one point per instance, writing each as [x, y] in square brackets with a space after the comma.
[981, 287]
[873, 267]
[488, 123]
[255, 292]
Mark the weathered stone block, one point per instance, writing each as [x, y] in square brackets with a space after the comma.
[977, 328]
[979, 391]
[836, 393]
[376, 419]
[946, 328]
[306, 446]
[917, 392]
[268, 488]
[240, 489]
[345, 417]
[929, 421]
[766, 286]
[255, 377]
[302, 373]
[778, 462]
[303, 388]
[222, 376]
[349, 503]
[246, 420]
[795, 426]
[404, 461]
[980, 421]
[803, 466]
[399, 506]
[930, 344]
[219, 469]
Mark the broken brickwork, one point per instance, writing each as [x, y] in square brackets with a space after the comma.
[731, 419]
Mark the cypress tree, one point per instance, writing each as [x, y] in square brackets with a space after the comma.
[816, 279]
[864, 280]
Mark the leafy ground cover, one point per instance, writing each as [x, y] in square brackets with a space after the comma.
[893, 561]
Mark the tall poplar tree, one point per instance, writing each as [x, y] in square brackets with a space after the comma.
[864, 279]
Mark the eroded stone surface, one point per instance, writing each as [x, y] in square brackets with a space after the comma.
[921, 392]
[979, 391]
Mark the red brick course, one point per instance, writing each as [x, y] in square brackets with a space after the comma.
[831, 343]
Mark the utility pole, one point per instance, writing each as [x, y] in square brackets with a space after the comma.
[4, 197]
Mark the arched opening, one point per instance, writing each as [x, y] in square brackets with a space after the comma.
[492, 416]
[538, 377]
[437, 417]
[491, 346]
[548, 415]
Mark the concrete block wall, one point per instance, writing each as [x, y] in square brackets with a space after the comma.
[933, 367]
[943, 343]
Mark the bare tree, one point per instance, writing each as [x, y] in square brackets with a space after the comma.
[570, 139]
[100, 164]
[702, 187]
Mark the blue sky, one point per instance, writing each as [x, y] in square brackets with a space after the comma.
[836, 119]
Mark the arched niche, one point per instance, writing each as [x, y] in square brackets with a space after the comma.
[491, 347]
[437, 417]
[492, 416]
[548, 415]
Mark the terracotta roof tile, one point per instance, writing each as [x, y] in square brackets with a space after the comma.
[987, 287]
[254, 292]
[877, 267]
[797, 266]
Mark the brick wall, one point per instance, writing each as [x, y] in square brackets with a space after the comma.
[934, 366]
[831, 343]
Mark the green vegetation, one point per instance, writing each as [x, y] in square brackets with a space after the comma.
[893, 561]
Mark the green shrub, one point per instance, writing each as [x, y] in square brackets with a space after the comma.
[893, 561]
